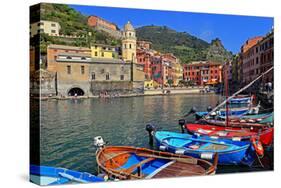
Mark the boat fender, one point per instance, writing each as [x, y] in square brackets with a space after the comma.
[180, 151]
[207, 156]
[257, 146]
[162, 148]
[236, 138]
[251, 120]
[214, 137]
[213, 114]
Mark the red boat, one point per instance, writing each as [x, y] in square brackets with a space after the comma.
[263, 134]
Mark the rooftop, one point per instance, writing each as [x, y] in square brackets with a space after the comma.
[57, 46]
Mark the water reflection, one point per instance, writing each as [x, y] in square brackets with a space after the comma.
[69, 126]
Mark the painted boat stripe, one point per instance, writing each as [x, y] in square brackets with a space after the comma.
[159, 169]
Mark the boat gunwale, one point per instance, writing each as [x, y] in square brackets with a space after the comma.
[209, 167]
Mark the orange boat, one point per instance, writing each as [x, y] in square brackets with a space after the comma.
[125, 162]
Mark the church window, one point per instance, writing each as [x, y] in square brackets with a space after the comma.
[107, 76]
[68, 69]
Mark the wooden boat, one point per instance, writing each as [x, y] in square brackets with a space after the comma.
[125, 162]
[241, 99]
[46, 175]
[229, 152]
[239, 111]
[263, 134]
[265, 118]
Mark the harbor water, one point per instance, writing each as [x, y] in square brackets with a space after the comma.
[69, 126]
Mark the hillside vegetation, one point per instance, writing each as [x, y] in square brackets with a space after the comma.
[72, 23]
[185, 46]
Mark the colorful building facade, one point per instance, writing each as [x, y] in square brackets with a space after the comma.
[104, 51]
[257, 57]
[103, 25]
[203, 72]
[43, 26]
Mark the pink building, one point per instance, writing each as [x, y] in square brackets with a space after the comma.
[250, 59]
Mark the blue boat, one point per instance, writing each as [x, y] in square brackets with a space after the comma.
[240, 111]
[45, 175]
[241, 100]
[230, 152]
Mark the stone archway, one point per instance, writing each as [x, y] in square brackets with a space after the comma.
[76, 91]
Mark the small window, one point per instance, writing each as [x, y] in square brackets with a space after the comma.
[68, 57]
[83, 58]
[130, 46]
[125, 46]
[82, 69]
[53, 31]
[53, 25]
[40, 23]
[121, 77]
[107, 76]
[102, 54]
[68, 69]
[96, 53]
[93, 76]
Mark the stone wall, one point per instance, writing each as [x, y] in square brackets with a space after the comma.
[65, 86]
[111, 87]
[115, 70]
[42, 83]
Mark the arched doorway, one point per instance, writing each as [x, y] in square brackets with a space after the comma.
[76, 91]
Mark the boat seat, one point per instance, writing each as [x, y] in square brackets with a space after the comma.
[179, 143]
[213, 147]
[132, 168]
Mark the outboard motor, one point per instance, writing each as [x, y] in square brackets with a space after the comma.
[209, 109]
[192, 111]
[99, 142]
[150, 128]
[182, 123]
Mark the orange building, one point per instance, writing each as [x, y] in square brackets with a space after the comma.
[94, 21]
[54, 50]
[141, 44]
[250, 43]
[104, 25]
[144, 58]
[203, 72]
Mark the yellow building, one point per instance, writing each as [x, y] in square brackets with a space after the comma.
[129, 43]
[43, 26]
[178, 73]
[103, 51]
[150, 84]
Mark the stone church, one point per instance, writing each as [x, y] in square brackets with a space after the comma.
[80, 71]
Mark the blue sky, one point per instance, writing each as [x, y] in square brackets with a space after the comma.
[232, 30]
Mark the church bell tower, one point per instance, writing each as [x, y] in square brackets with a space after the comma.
[129, 43]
